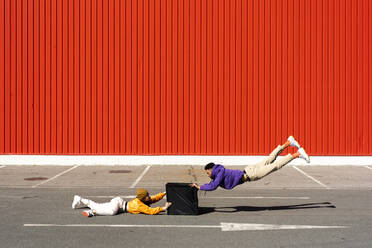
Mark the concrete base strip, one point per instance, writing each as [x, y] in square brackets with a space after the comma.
[223, 226]
[60, 174]
[72, 160]
[318, 182]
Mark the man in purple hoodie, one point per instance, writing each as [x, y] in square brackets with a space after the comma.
[228, 179]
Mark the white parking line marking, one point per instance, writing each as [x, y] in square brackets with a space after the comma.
[368, 167]
[261, 227]
[213, 197]
[325, 186]
[260, 197]
[223, 226]
[140, 177]
[11, 197]
[2, 166]
[58, 175]
[110, 225]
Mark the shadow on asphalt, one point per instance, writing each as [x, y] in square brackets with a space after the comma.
[206, 210]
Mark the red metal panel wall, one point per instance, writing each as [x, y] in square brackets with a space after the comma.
[185, 77]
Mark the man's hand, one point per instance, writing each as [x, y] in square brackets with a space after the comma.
[195, 185]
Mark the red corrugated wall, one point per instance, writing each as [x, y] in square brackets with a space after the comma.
[185, 77]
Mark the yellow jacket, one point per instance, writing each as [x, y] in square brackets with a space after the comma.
[136, 206]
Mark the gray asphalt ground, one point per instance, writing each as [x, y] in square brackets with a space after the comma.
[339, 196]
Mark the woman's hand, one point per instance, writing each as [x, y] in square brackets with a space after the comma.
[167, 205]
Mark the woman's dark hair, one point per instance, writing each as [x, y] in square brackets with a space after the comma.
[208, 166]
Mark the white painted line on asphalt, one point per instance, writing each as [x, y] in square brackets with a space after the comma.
[58, 175]
[76, 187]
[224, 226]
[325, 186]
[213, 197]
[368, 167]
[12, 197]
[2, 166]
[260, 197]
[140, 177]
[109, 225]
[261, 227]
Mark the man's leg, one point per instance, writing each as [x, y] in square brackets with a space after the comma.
[251, 170]
[265, 167]
[255, 172]
[277, 151]
[258, 171]
[274, 154]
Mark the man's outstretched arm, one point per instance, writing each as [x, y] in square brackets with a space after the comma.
[212, 185]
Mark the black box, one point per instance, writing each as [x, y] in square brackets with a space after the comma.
[184, 199]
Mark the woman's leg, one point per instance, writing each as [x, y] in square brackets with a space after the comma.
[106, 208]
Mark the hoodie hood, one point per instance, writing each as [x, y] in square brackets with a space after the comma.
[217, 168]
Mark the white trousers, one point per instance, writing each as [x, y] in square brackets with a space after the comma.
[107, 208]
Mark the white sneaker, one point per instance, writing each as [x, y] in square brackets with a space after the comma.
[304, 155]
[88, 213]
[76, 201]
[293, 142]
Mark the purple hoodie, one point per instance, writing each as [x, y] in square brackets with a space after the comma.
[224, 178]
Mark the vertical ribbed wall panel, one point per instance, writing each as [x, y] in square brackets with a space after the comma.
[185, 77]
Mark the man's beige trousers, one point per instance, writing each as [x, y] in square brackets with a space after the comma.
[265, 167]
